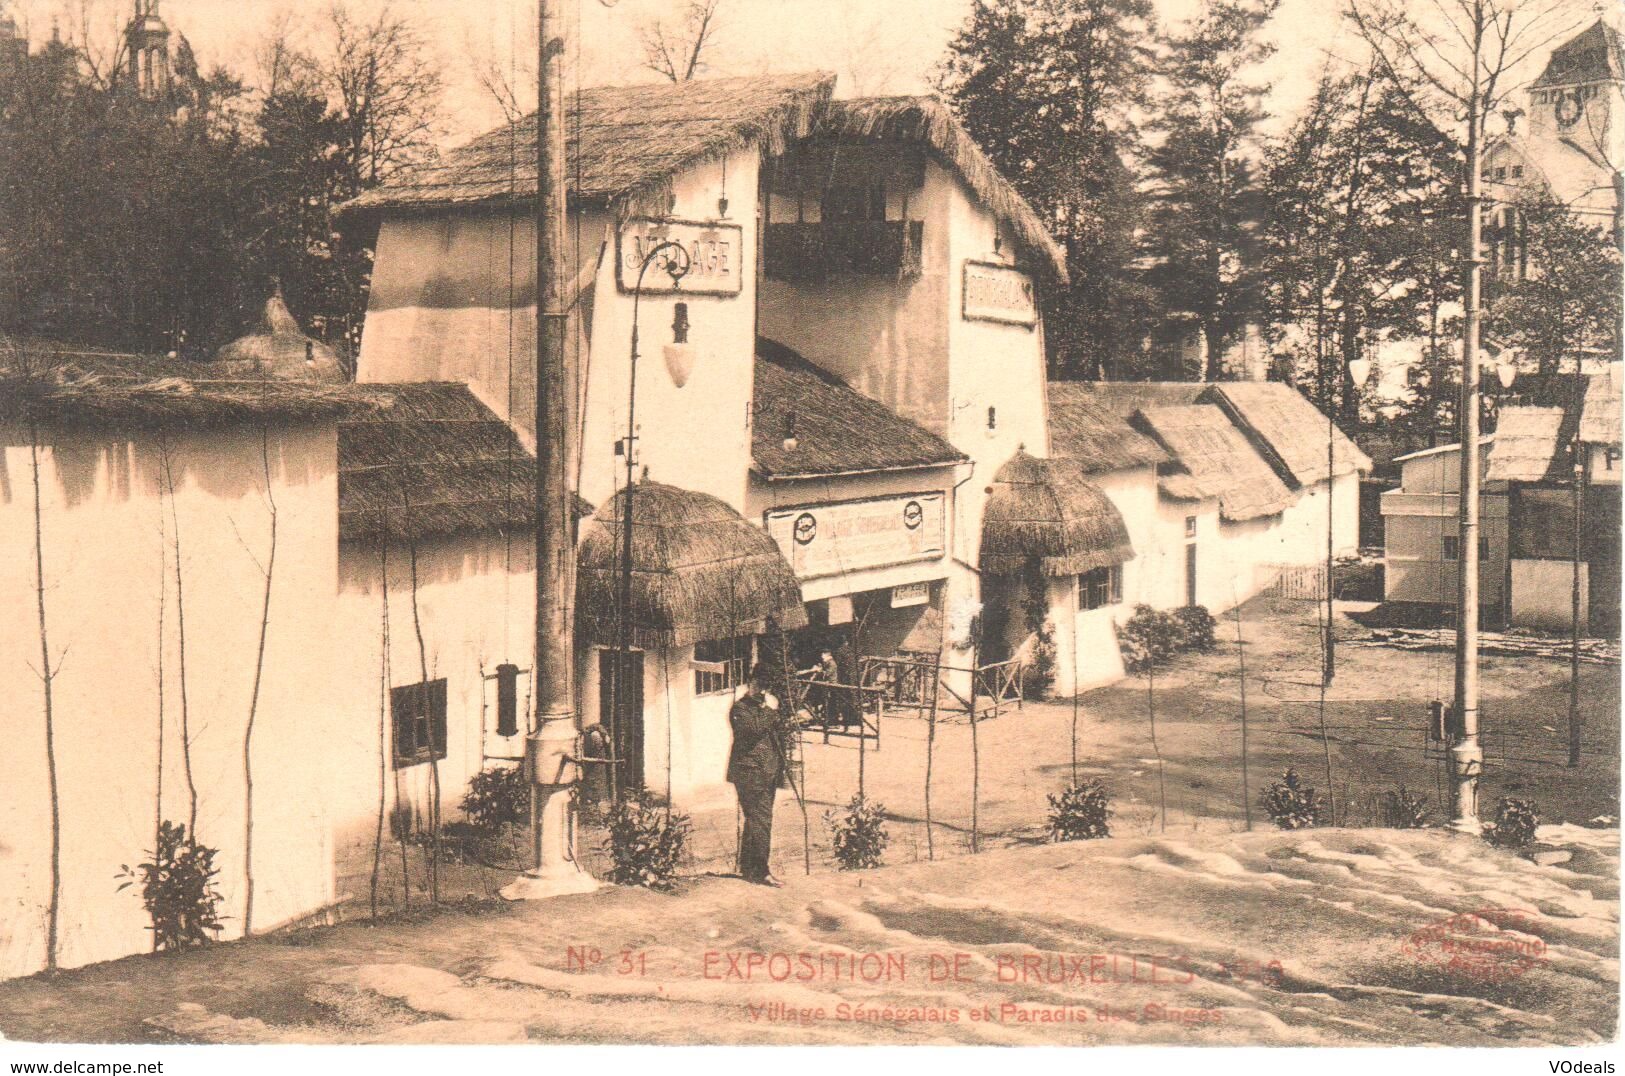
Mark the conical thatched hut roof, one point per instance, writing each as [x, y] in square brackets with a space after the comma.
[279, 349]
[700, 571]
[1048, 509]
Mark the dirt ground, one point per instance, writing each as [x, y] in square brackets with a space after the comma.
[1334, 937]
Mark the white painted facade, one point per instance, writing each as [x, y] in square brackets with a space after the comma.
[1422, 514]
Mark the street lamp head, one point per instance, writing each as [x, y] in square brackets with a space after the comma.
[1359, 371]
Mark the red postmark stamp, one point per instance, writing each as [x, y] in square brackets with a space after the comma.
[1489, 945]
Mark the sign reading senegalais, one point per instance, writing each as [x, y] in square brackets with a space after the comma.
[828, 539]
[714, 256]
[995, 292]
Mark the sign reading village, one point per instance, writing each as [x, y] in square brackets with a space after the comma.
[995, 292]
[713, 251]
[828, 539]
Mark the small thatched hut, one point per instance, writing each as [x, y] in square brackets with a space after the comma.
[1048, 510]
[278, 348]
[700, 572]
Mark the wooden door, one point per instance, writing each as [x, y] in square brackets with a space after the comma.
[623, 713]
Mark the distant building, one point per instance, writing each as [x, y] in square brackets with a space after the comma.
[13, 45]
[146, 46]
[1566, 146]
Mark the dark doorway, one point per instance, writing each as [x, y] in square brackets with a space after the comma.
[1190, 574]
[627, 709]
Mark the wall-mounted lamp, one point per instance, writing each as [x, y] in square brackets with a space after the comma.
[791, 442]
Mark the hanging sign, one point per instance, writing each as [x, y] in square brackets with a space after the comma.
[714, 256]
[910, 594]
[829, 539]
[995, 292]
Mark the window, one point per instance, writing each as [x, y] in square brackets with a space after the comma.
[1517, 171]
[1190, 526]
[418, 715]
[720, 665]
[1100, 587]
[1452, 547]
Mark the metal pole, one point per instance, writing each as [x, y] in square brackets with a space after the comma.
[1579, 477]
[623, 717]
[551, 749]
[1467, 759]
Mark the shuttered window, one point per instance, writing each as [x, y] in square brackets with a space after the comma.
[418, 715]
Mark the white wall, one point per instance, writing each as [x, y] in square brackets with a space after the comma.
[106, 530]
[475, 599]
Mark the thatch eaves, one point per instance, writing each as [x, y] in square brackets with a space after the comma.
[1215, 460]
[432, 461]
[700, 572]
[1046, 509]
[623, 143]
[66, 387]
[927, 120]
[1096, 438]
[1529, 446]
[836, 429]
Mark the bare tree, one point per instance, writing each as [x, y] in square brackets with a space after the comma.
[383, 80]
[281, 66]
[676, 47]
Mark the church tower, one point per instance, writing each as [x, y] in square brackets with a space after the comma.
[1577, 116]
[146, 41]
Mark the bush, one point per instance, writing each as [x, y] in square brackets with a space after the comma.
[1038, 676]
[177, 888]
[1404, 810]
[859, 834]
[1289, 804]
[1147, 637]
[1080, 812]
[497, 798]
[646, 843]
[1197, 628]
[1514, 825]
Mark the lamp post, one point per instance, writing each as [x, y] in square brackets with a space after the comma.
[674, 260]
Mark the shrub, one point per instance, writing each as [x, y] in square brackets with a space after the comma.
[1080, 812]
[1039, 674]
[1404, 810]
[496, 798]
[1290, 804]
[1147, 637]
[177, 888]
[646, 842]
[1197, 628]
[859, 834]
[1514, 825]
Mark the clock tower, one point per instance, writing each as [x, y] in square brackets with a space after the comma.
[1576, 133]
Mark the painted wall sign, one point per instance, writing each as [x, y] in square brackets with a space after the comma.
[828, 539]
[995, 292]
[715, 253]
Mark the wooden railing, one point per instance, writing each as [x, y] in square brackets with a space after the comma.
[836, 709]
[918, 683]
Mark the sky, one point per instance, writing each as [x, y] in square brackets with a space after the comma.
[874, 46]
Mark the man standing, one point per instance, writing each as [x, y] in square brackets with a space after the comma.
[755, 767]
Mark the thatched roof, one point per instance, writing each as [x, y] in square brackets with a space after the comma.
[928, 121]
[1215, 459]
[624, 143]
[1124, 398]
[1600, 418]
[1529, 446]
[278, 349]
[631, 140]
[1289, 429]
[432, 461]
[1096, 438]
[1047, 509]
[837, 429]
[700, 571]
[63, 386]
